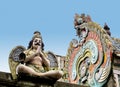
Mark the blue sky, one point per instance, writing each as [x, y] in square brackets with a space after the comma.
[53, 18]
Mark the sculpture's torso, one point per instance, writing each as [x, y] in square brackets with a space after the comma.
[37, 60]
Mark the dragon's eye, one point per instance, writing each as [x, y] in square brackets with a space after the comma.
[79, 20]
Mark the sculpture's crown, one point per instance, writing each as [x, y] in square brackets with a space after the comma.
[37, 34]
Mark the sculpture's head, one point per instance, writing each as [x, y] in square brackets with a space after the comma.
[36, 41]
[78, 21]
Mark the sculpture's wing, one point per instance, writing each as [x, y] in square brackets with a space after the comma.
[14, 59]
[53, 60]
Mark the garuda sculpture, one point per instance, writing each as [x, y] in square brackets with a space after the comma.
[34, 61]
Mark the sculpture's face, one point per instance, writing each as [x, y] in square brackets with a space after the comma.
[37, 42]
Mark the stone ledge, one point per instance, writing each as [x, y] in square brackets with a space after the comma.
[6, 81]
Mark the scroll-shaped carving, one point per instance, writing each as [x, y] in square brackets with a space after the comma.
[89, 63]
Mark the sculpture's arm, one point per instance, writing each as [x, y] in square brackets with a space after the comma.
[30, 57]
[45, 60]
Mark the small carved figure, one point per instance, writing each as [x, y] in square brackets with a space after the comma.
[35, 60]
[107, 29]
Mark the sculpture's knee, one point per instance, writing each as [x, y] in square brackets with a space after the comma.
[20, 68]
[60, 74]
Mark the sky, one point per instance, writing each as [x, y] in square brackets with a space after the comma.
[54, 19]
